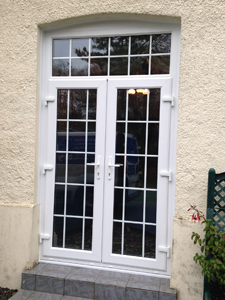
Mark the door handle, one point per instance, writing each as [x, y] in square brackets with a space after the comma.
[111, 165]
[97, 165]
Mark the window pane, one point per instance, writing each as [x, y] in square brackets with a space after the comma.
[117, 237]
[133, 234]
[137, 106]
[154, 104]
[153, 138]
[99, 46]
[59, 199]
[91, 137]
[139, 65]
[150, 237]
[92, 104]
[136, 138]
[61, 136]
[150, 213]
[60, 167]
[134, 205]
[161, 43]
[118, 66]
[73, 238]
[76, 168]
[78, 99]
[80, 47]
[160, 64]
[120, 137]
[121, 104]
[118, 204]
[119, 45]
[152, 166]
[57, 240]
[99, 66]
[77, 136]
[79, 67]
[62, 104]
[140, 44]
[75, 200]
[60, 67]
[89, 201]
[135, 171]
[88, 235]
[61, 48]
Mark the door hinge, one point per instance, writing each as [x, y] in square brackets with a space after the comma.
[47, 168]
[164, 249]
[49, 99]
[43, 236]
[170, 99]
[166, 174]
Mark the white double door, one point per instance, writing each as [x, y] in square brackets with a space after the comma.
[106, 172]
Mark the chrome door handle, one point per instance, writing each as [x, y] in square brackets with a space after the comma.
[97, 165]
[111, 165]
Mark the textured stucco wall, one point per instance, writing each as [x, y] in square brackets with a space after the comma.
[200, 116]
[18, 242]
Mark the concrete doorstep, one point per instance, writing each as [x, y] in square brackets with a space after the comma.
[55, 282]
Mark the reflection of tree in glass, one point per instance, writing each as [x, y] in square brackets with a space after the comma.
[119, 45]
[62, 104]
[83, 52]
[139, 65]
[161, 43]
[60, 67]
[119, 66]
[99, 46]
[77, 109]
[160, 64]
[79, 67]
[98, 66]
[140, 44]
[92, 105]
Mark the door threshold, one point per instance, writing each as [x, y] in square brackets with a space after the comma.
[107, 267]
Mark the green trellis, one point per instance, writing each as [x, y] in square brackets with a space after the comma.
[215, 210]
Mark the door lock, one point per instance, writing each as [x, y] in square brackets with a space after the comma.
[111, 165]
[96, 165]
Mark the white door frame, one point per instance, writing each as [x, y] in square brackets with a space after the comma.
[108, 28]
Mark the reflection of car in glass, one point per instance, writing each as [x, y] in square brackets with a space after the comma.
[76, 164]
[132, 163]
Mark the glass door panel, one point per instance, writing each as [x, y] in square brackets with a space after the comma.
[74, 179]
[135, 204]
[76, 128]
[135, 190]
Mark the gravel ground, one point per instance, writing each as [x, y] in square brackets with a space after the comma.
[6, 293]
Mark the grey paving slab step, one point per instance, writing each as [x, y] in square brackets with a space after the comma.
[49, 281]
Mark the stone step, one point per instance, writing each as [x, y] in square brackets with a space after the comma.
[49, 281]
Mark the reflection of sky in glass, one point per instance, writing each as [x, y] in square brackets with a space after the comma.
[86, 55]
[79, 67]
[99, 46]
[80, 47]
[61, 48]
[80, 63]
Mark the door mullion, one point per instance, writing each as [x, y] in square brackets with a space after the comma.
[66, 168]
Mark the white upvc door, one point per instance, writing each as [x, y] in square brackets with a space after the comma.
[72, 212]
[135, 216]
[106, 167]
